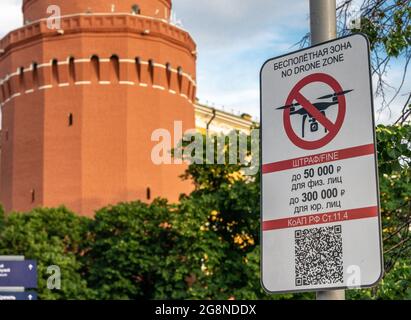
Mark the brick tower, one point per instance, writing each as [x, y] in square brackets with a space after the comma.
[80, 102]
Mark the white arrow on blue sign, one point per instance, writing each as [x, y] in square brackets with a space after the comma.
[18, 274]
[18, 296]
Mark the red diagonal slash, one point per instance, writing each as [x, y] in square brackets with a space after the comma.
[313, 111]
[296, 95]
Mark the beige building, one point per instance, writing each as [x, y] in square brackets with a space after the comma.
[217, 121]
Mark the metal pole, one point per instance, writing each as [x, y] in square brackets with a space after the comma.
[331, 295]
[323, 24]
[323, 20]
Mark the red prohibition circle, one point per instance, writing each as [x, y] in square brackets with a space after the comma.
[333, 128]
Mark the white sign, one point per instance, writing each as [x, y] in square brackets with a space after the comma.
[320, 200]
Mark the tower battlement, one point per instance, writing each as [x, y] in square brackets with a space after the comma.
[34, 10]
[103, 23]
[94, 70]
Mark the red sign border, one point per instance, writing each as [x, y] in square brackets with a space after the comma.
[312, 145]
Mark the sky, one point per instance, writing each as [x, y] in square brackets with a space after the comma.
[234, 39]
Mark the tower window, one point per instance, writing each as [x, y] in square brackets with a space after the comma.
[33, 196]
[7, 135]
[70, 120]
[135, 9]
[72, 70]
[9, 92]
[115, 68]
[35, 75]
[138, 69]
[55, 71]
[3, 91]
[21, 79]
[168, 74]
[151, 70]
[95, 63]
[148, 194]
[180, 78]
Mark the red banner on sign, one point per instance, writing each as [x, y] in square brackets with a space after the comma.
[319, 158]
[322, 218]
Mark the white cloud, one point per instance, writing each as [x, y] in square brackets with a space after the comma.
[220, 22]
[10, 15]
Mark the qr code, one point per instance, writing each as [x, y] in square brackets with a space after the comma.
[318, 256]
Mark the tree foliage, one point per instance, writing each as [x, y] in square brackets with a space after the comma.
[52, 237]
[387, 23]
[134, 253]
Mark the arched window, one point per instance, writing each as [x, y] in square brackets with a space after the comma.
[35, 75]
[55, 71]
[115, 68]
[95, 66]
[138, 69]
[33, 196]
[148, 193]
[72, 70]
[180, 78]
[168, 74]
[3, 91]
[22, 83]
[189, 89]
[70, 120]
[151, 71]
[8, 87]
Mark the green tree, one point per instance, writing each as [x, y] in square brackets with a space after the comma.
[52, 237]
[387, 25]
[133, 253]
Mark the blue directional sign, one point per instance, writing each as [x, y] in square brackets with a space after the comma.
[18, 274]
[15, 296]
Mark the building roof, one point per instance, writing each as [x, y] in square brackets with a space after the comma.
[208, 117]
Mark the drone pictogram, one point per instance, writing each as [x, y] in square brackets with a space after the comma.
[320, 106]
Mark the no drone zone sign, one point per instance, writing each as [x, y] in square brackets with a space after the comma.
[320, 200]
